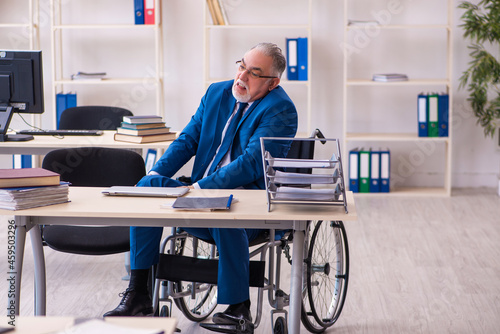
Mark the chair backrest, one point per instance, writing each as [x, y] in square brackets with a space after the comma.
[300, 149]
[96, 166]
[100, 167]
[92, 118]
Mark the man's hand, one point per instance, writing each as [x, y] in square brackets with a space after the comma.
[190, 187]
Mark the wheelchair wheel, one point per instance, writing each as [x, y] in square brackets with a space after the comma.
[280, 326]
[197, 305]
[326, 275]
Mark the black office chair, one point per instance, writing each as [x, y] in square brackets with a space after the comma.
[92, 118]
[92, 167]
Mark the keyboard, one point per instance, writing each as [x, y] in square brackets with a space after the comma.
[35, 132]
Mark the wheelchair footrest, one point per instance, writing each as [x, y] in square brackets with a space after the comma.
[184, 268]
[246, 328]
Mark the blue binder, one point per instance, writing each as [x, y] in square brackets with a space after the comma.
[354, 170]
[60, 106]
[422, 115]
[63, 102]
[374, 171]
[302, 58]
[385, 171]
[139, 11]
[443, 114]
[22, 161]
[150, 159]
[291, 59]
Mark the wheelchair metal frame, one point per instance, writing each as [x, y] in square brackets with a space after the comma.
[277, 298]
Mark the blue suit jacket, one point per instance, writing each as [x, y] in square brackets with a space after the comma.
[274, 115]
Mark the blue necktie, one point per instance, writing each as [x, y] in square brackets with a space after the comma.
[228, 138]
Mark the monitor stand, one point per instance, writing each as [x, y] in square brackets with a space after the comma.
[5, 118]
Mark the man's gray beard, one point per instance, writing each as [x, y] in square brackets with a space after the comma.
[240, 98]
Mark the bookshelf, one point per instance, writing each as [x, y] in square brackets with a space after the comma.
[387, 117]
[135, 83]
[22, 33]
[223, 45]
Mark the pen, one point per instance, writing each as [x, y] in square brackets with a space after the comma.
[229, 201]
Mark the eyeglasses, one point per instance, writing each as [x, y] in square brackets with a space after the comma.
[242, 68]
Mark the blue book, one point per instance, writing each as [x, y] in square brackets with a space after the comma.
[139, 11]
[385, 171]
[443, 114]
[291, 59]
[374, 171]
[354, 170]
[302, 58]
[422, 115]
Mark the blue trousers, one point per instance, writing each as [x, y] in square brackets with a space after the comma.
[232, 244]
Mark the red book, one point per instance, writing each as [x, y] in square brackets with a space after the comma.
[149, 11]
[28, 177]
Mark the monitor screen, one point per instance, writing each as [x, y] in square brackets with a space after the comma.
[21, 86]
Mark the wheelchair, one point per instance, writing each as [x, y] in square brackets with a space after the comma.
[187, 273]
[192, 285]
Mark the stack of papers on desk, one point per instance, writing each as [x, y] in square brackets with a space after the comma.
[32, 197]
[301, 178]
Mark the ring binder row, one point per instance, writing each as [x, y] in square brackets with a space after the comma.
[304, 181]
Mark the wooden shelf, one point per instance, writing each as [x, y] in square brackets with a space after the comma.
[352, 137]
[397, 137]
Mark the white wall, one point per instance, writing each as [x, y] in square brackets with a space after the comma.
[475, 158]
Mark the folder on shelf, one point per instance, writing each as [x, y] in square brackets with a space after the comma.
[139, 11]
[443, 114]
[385, 171]
[374, 171]
[354, 170]
[63, 102]
[422, 115]
[432, 117]
[302, 58]
[149, 11]
[291, 59]
[22, 161]
[364, 171]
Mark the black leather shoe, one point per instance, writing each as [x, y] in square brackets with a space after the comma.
[234, 314]
[132, 304]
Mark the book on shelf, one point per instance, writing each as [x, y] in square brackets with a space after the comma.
[217, 12]
[20, 198]
[297, 63]
[145, 139]
[63, 102]
[88, 76]
[28, 177]
[140, 126]
[388, 77]
[142, 132]
[142, 119]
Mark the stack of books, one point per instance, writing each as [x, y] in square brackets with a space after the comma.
[26, 188]
[143, 129]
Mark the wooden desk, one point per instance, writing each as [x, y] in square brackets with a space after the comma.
[44, 325]
[89, 207]
[44, 144]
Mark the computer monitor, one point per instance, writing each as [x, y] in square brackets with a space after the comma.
[21, 88]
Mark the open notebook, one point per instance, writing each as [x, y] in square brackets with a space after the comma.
[145, 191]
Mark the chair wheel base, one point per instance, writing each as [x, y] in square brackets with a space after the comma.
[246, 328]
